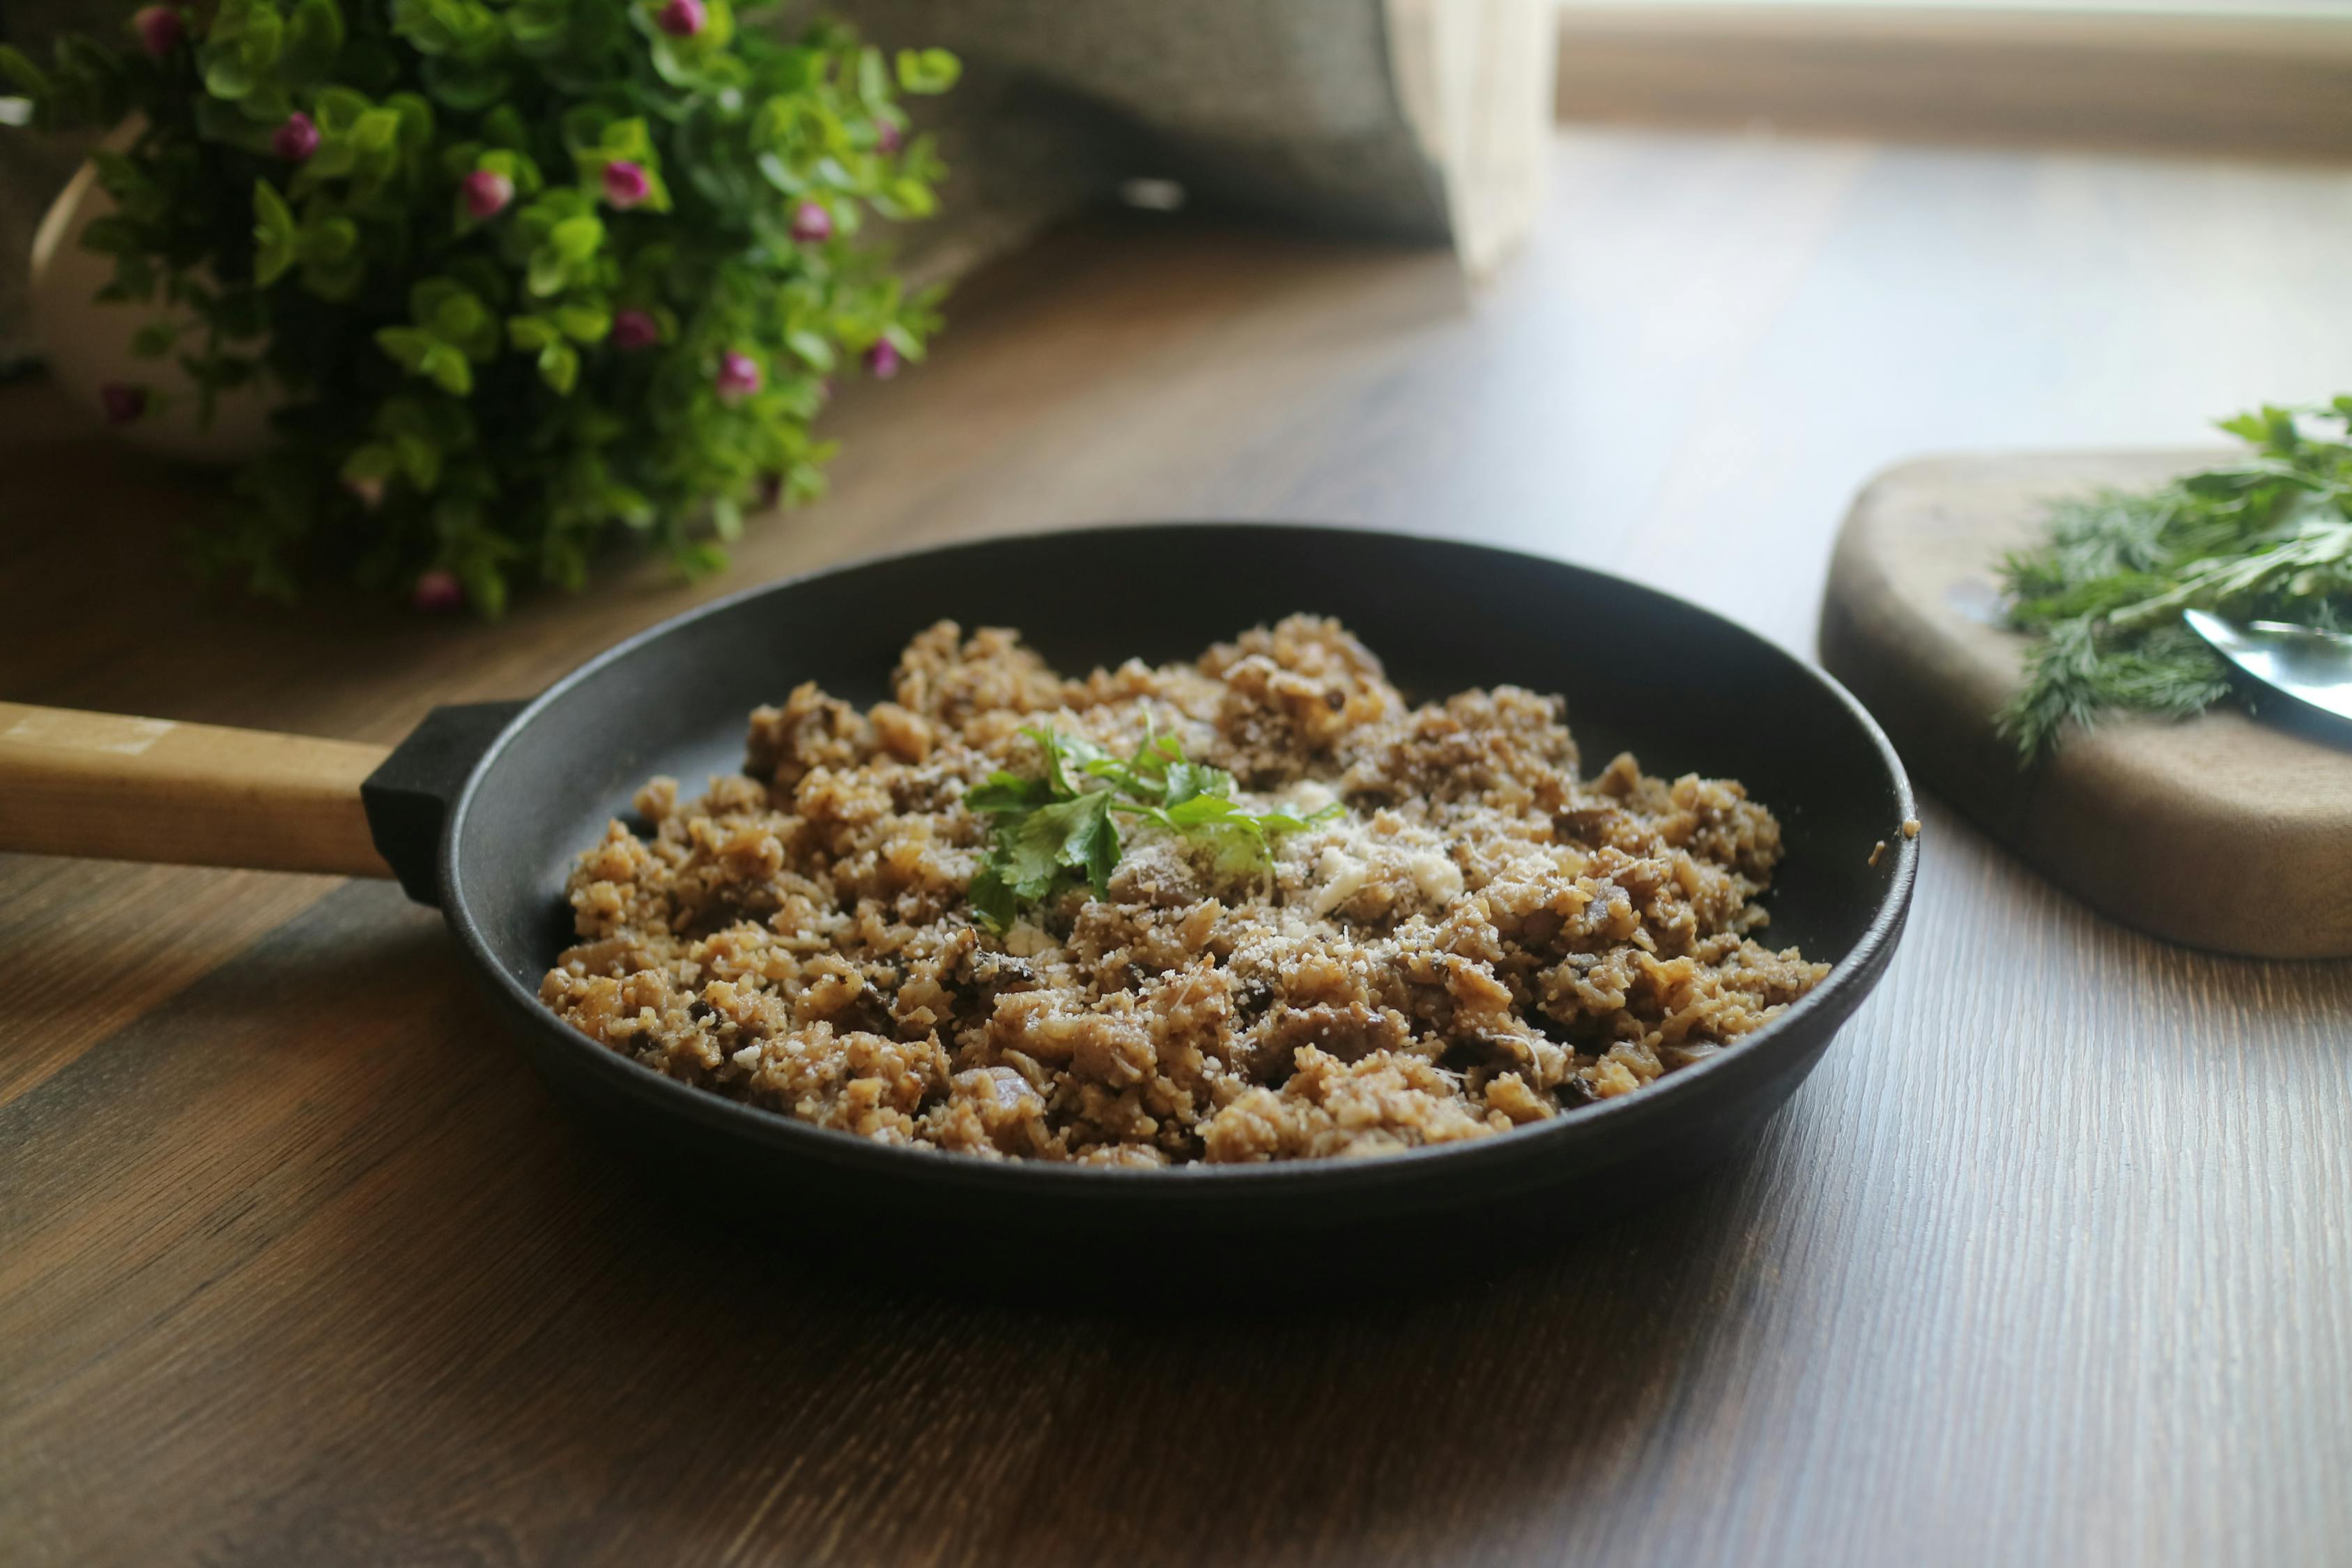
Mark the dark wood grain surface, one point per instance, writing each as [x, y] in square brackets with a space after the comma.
[2047, 1263]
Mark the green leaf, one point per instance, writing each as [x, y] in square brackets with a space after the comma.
[20, 72]
[228, 77]
[700, 559]
[810, 346]
[584, 323]
[575, 239]
[1008, 791]
[415, 122]
[268, 104]
[337, 109]
[372, 463]
[337, 279]
[408, 347]
[486, 586]
[313, 38]
[154, 340]
[628, 139]
[994, 902]
[1060, 825]
[464, 86]
[559, 366]
[221, 121]
[377, 131]
[446, 364]
[420, 459]
[459, 317]
[541, 27]
[330, 239]
[1033, 848]
[928, 70]
[906, 198]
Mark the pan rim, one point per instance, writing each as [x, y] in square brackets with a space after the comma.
[1838, 993]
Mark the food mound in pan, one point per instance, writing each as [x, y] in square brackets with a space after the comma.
[1254, 906]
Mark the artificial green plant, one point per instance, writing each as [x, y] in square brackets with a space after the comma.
[519, 276]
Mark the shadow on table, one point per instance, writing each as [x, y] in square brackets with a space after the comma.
[384, 1303]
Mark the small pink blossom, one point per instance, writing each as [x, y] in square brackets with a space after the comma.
[887, 137]
[122, 402]
[296, 140]
[487, 193]
[160, 30]
[739, 376]
[681, 18]
[882, 359]
[369, 491]
[438, 590]
[635, 329]
[626, 182]
[812, 224]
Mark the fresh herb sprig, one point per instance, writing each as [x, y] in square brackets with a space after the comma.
[2269, 537]
[1054, 830]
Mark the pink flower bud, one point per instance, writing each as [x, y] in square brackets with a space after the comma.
[635, 329]
[681, 18]
[438, 590]
[812, 224]
[487, 193]
[739, 376]
[122, 403]
[625, 183]
[887, 137]
[296, 140]
[882, 359]
[160, 30]
[370, 491]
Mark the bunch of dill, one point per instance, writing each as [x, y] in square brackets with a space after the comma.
[2268, 538]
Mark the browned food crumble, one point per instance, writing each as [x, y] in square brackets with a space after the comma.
[1480, 941]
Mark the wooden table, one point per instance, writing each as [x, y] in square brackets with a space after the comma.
[2049, 1262]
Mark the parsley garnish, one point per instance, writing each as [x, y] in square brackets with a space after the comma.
[1054, 830]
[2269, 539]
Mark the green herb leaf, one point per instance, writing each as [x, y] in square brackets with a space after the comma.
[1054, 831]
[2269, 537]
[273, 234]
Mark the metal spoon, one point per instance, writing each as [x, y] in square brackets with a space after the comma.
[2312, 667]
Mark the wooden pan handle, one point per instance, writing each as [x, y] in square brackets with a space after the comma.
[116, 788]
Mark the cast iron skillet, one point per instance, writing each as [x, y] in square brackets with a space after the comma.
[1685, 690]
[482, 811]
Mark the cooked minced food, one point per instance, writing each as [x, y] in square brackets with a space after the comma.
[1255, 907]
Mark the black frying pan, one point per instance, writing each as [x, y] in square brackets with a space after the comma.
[482, 810]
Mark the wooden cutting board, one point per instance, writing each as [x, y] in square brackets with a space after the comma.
[2226, 831]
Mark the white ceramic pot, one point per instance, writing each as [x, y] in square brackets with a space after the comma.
[88, 344]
